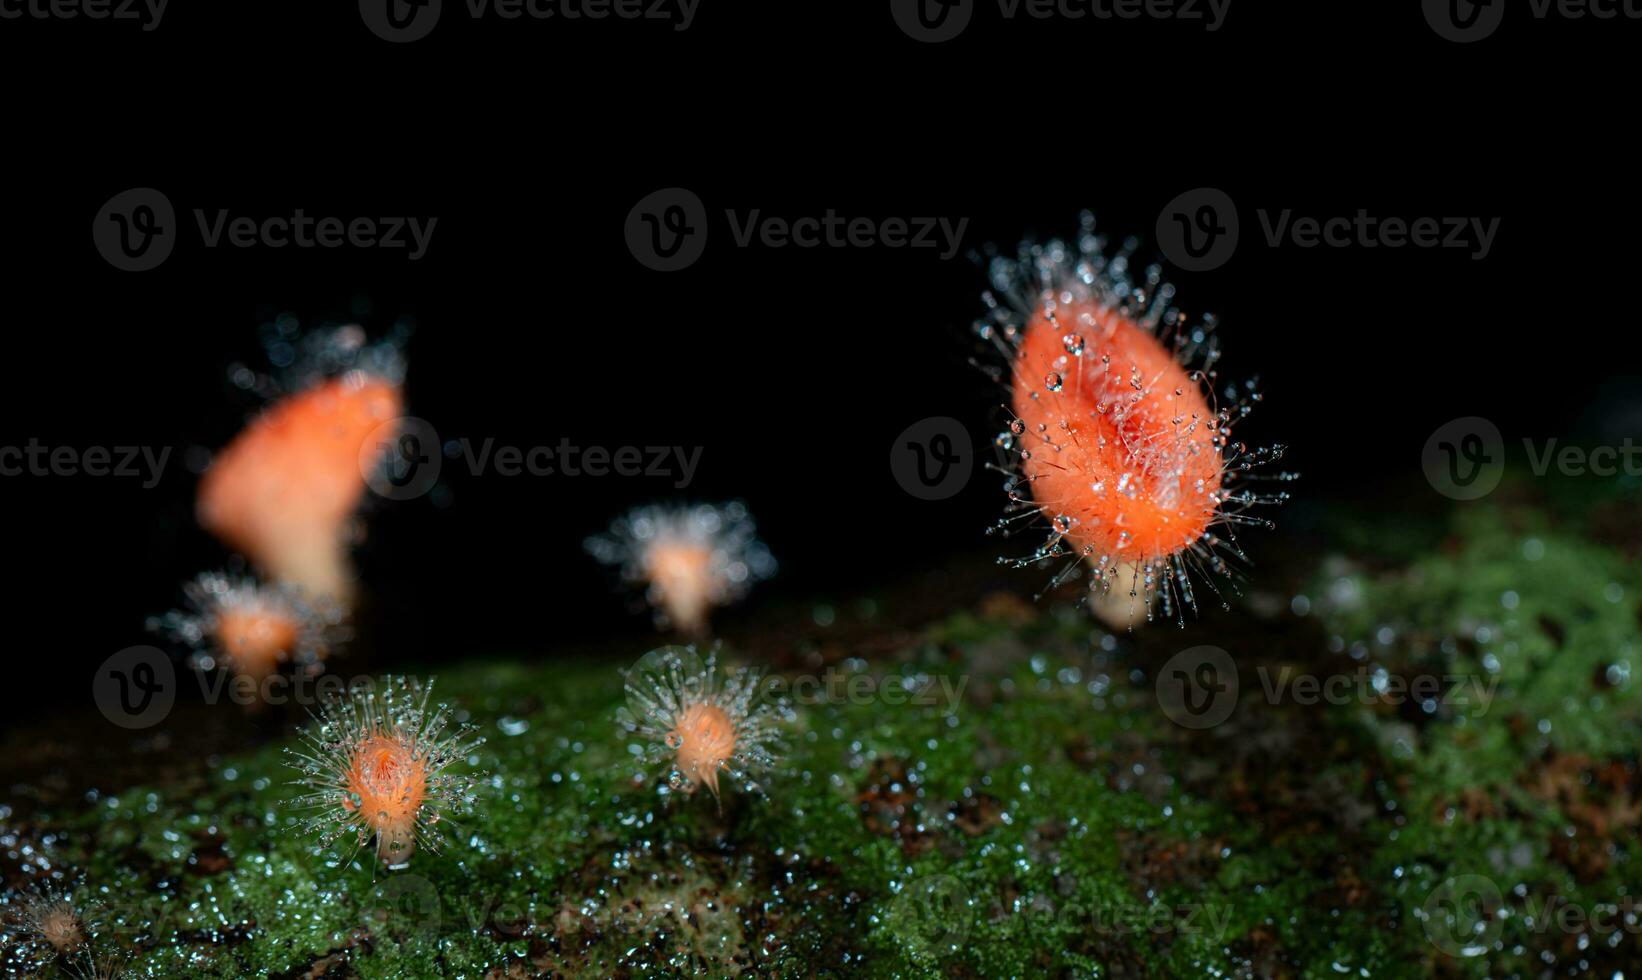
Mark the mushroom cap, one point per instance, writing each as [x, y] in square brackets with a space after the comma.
[1121, 438]
[283, 490]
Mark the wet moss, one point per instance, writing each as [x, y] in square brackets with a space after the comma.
[997, 793]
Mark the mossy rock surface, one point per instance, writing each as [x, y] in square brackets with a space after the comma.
[999, 794]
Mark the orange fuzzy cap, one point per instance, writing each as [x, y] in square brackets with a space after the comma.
[283, 490]
[386, 784]
[1125, 447]
[705, 738]
[255, 641]
[681, 580]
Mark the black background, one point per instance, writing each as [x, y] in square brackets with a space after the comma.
[793, 368]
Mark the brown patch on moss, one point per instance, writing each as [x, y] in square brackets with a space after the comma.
[1473, 805]
[1262, 955]
[208, 857]
[888, 804]
[707, 911]
[1081, 752]
[331, 965]
[1601, 798]
[1152, 864]
[977, 814]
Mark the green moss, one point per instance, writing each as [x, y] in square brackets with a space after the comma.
[1038, 815]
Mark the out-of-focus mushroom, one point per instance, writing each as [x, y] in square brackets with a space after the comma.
[284, 489]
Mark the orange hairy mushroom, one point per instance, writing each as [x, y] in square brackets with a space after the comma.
[681, 580]
[254, 640]
[386, 784]
[1121, 439]
[283, 490]
[705, 736]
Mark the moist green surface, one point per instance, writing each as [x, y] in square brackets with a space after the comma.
[1040, 816]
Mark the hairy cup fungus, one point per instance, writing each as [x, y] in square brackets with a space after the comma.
[376, 767]
[42, 922]
[698, 726]
[250, 628]
[689, 559]
[1116, 441]
[283, 491]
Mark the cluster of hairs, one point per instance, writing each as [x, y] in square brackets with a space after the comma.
[300, 358]
[377, 764]
[1085, 418]
[687, 558]
[697, 724]
[44, 923]
[247, 626]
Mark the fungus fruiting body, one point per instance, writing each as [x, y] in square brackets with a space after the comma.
[1116, 440]
[251, 628]
[283, 491]
[376, 766]
[689, 559]
[699, 725]
[42, 922]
